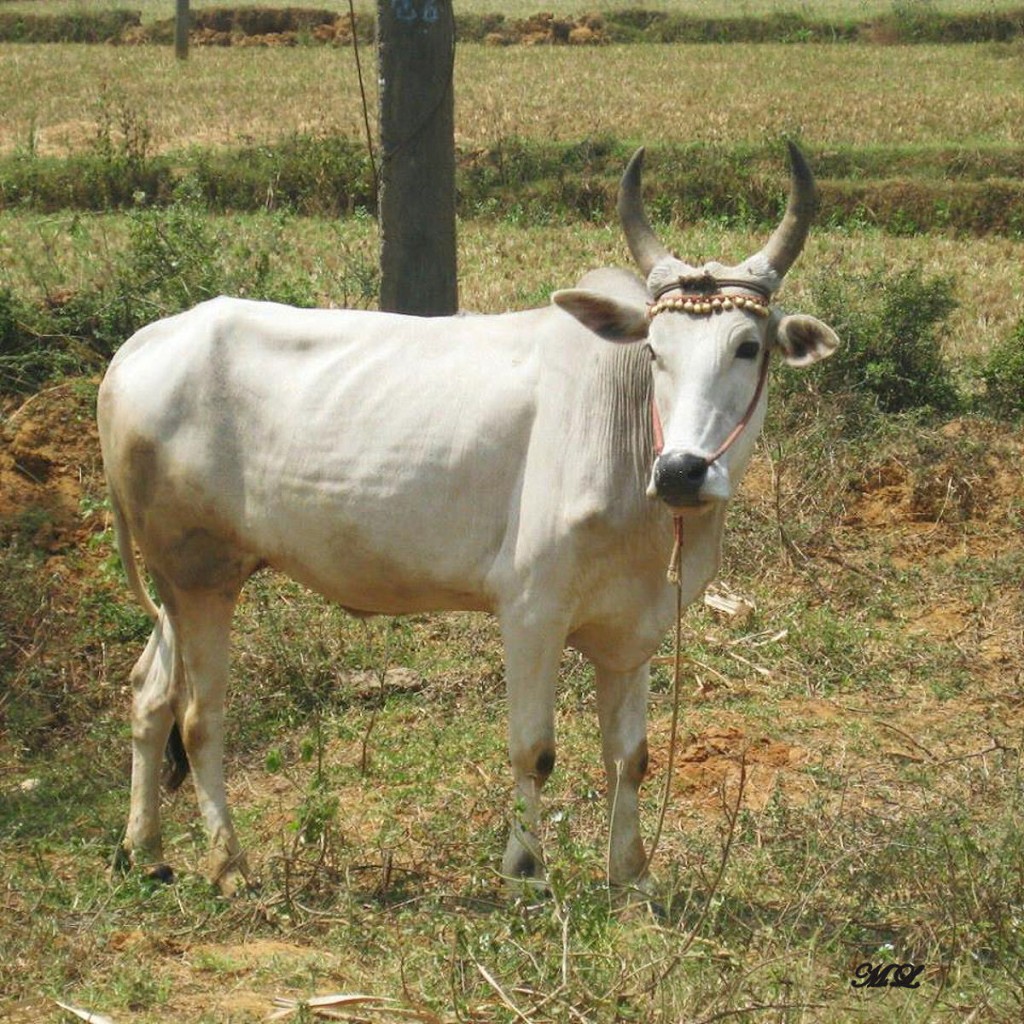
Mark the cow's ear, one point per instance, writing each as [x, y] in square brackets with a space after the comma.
[804, 340]
[611, 319]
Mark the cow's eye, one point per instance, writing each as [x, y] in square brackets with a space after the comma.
[651, 353]
[748, 350]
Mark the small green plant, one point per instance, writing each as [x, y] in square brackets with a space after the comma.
[891, 329]
[916, 20]
[317, 814]
[122, 138]
[1003, 374]
[172, 256]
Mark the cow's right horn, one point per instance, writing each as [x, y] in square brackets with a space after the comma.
[643, 243]
[788, 238]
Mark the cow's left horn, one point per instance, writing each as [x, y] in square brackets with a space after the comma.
[643, 243]
[788, 238]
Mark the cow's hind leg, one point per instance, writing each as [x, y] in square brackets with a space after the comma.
[531, 670]
[153, 678]
[622, 710]
[202, 621]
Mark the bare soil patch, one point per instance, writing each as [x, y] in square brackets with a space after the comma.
[49, 461]
[713, 762]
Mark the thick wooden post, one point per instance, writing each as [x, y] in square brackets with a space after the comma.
[416, 58]
[181, 23]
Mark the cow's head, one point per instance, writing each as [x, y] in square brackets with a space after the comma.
[710, 331]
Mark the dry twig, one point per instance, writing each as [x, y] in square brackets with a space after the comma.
[87, 1015]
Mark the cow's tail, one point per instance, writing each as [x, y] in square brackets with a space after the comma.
[176, 766]
[131, 567]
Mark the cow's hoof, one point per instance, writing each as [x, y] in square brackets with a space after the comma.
[523, 861]
[231, 876]
[525, 866]
[235, 884]
[523, 871]
[125, 862]
[121, 862]
[528, 891]
[634, 900]
[641, 907]
[162, 873]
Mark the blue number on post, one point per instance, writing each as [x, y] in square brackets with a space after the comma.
[405, 10]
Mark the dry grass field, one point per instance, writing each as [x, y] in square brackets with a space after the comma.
[849, 785]
[964, 96]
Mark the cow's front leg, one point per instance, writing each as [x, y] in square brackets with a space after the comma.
[622, 710]
[531, 672]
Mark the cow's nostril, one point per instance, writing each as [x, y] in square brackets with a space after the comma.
[679, 476]
[694, 468]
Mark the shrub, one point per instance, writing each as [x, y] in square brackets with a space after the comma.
[314, 176]
[172, 261]
[890, 325]
[1003, 374]
[29, 353]
[175, 257]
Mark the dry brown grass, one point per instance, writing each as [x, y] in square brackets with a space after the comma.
[827, 95]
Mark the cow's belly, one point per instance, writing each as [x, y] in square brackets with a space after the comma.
[386, 586]
[424, 559]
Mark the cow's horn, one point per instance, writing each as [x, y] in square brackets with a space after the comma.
[788, 238]
[643, 243]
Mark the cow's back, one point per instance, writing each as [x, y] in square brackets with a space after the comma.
[376, 458]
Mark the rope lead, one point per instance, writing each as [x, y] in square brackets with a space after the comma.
[675, 579]
[675, 563]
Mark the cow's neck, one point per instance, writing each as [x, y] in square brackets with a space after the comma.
[604, 433]
[611, 421]
[619, 398]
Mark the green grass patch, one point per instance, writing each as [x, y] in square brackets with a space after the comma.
[847, 790]
[529, 182]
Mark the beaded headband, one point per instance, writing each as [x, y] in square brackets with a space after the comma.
[702, 305]
[702, 297]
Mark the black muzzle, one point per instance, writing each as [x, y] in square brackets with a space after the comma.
[679, 477]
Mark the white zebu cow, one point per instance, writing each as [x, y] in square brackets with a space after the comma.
[394, 464]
